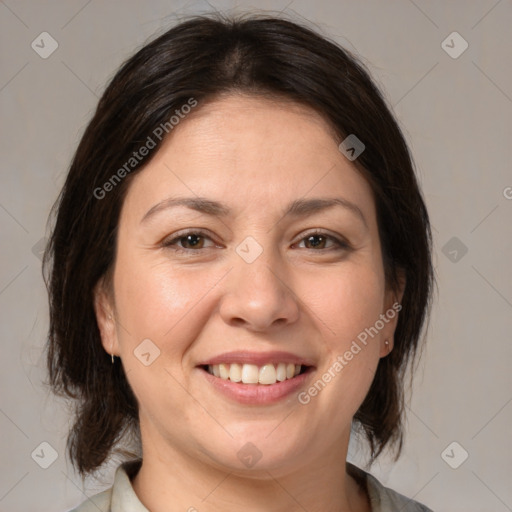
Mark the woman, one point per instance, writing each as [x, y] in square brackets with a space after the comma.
[239, 273]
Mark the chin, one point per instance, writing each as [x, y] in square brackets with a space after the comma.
[257, 453]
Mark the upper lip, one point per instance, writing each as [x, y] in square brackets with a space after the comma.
[257, 358]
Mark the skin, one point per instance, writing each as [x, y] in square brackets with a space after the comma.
[256, 156]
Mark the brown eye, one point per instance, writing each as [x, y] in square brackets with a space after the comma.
[318, 241]
[193, 240]
[187, 242]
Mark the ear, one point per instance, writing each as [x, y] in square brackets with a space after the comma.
[105, 318]
[392, 307]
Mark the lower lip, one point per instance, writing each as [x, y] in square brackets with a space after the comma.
[257, 393]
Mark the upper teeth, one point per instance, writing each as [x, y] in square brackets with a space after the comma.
[253, 374]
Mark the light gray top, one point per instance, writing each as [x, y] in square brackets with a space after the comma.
[122, 498]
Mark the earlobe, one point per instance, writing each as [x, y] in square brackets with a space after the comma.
[393, 308]
[390, 319]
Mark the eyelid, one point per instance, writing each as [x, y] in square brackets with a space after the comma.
[340, 243]
[168, 242]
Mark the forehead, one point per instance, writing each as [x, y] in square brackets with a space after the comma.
[249, 151]
[249, 124]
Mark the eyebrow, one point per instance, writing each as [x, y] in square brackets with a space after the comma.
[297, 208]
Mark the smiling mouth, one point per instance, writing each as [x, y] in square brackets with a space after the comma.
[266, 374]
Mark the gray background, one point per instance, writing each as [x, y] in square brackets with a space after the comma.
[456, 113]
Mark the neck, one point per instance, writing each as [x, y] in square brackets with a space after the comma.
[173, 477]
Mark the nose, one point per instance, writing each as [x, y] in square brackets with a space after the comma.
[259, 295]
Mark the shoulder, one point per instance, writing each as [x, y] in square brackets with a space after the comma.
[384, 499]
[390, 500]
[120, 497]
[98, 502]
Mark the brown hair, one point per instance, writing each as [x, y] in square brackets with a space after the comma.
[200, 58]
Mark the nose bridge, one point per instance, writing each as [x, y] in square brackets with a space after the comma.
[258, 267]
[259, 294]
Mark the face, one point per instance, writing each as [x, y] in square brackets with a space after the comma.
[255, 281]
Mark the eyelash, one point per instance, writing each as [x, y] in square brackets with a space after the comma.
[341, 245]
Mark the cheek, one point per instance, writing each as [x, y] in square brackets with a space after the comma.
[351, 301]
[162, 302]
[345, 300]
[145, 294]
